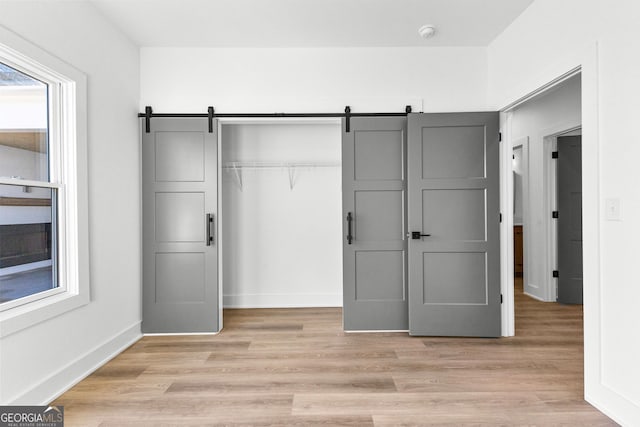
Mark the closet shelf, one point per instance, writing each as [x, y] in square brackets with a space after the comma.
[238, 168]
[277, 165]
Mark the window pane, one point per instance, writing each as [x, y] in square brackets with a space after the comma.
[27, 241]
[23, 126]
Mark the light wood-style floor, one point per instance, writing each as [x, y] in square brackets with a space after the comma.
[297, 367]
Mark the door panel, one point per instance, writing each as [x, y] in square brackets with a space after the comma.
[180, 277]
[378, 155]
[179, 217]
[458, 214]
[180, 264]
[453, 199]
[380, 223]
[379, 276]
[570, 219]
[179, 156]
[374, 263]
[453, 152]
[454, 278]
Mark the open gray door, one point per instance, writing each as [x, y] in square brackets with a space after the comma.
[570, 220]
[180, 260]
[374, 249]
[453, 216]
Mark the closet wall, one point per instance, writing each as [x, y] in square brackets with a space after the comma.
[313, 80]
[281, 206]
[282, 246]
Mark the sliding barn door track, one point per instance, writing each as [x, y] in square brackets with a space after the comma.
[211, 115]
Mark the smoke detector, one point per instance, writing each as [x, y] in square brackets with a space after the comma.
[427, 31]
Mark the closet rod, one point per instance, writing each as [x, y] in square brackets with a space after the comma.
[210, 114]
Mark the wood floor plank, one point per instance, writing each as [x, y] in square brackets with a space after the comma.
[286, 382]
[297, 367]
[253, 421]
[460, 382]
[441, 403]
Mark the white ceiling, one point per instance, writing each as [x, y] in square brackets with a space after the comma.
[310, 23]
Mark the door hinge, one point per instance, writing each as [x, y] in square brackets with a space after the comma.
[554, 214]
[554, 154]
[500, 298]
[500, 217]
[555, 273]
[499, 136]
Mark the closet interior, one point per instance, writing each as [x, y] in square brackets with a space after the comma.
[281, 213]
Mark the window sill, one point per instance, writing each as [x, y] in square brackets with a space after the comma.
[22, 317]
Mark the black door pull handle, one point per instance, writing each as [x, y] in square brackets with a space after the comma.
[210, 227]
[416, 235]
[349, 233]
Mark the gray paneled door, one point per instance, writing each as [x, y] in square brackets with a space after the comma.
[180, 248]
[453, 201]
[374, 249]
[570, 219]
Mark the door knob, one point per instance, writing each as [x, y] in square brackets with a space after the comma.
[416, 235]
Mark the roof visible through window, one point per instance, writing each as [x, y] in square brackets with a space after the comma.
[13, 77]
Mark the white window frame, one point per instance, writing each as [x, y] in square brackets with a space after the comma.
[67, 88]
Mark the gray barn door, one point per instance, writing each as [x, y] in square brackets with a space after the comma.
[374, 249]
[453, 206]
[180, 260]
[570, 220]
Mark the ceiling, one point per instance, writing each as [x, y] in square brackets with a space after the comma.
[310, 23]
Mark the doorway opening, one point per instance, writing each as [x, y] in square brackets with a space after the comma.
[536, 128]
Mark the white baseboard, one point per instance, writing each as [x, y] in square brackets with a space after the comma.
[617, 407]
[174, 334]
[282, 300]
[535, 297]
[57, 383]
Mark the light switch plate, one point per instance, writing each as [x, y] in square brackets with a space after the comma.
[612, 210]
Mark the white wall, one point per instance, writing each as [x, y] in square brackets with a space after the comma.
[308, 80]
[555, 111]
[547, 40]
[282, 245]
[40, 361]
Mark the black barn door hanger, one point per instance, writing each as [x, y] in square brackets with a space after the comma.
[211, 115]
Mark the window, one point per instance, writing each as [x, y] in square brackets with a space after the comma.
[43, 194]
[28, 241]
